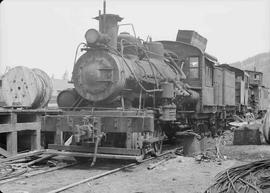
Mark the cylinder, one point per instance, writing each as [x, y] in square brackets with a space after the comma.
[67, 98]
[168, 90]
[192, 145]
[31, 88]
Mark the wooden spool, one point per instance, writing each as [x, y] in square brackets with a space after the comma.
[24, 87]
[47, 87]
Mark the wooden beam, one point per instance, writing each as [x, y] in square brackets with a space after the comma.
[59, 137]
[12, 143]
[35, 173]
[22, 155]
[4, 152]
[36, 140]
[28, 126]
[105, 150]
[4, 128]
[106, 156]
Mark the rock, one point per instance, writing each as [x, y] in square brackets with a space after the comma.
[21, 182]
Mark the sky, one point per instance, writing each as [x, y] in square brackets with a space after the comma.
[45, 33]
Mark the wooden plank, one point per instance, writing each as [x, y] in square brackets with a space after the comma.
[59, 137]
[5, 128]
[36, 140]
[4, 152]
[98, 155]
[28, 126]
[12, 143]
[105, 150]
[22, 155]
[28, 175]
[40, 159]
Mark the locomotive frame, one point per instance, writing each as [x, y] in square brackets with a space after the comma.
[128, 134]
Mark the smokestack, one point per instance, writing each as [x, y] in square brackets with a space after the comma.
[108, 24]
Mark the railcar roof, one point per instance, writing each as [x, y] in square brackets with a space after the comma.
[253, 71]
[208, 56]
[232, 68]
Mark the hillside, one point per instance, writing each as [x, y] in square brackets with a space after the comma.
[259, 62]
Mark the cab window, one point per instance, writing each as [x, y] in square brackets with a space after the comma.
[194, 67]
[208, 75]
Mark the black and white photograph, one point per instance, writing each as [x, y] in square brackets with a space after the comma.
[135, 96]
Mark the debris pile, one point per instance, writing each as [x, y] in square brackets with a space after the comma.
[11, 170]
[251, 177]
[13, 167]
[171, 155]
[212, 149]
[227, 138]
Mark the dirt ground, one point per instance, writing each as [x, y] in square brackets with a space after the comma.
[182, 174]
[179, 174]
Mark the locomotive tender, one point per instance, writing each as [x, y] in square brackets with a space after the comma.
[130, 94]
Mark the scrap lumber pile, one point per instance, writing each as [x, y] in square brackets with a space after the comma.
[15, 166]
[247, 131]
[253, 177]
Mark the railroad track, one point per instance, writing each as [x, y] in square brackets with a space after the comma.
[66, 178]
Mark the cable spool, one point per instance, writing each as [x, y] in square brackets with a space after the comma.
[24, 87]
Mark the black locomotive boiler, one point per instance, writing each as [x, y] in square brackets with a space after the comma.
[125, 92]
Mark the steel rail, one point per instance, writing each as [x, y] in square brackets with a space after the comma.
[107, 173]
[35, 174]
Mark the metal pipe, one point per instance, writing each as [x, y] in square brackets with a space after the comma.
[106, 156]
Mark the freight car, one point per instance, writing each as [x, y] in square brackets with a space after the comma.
[258, 93]
[250, 93]
[241, 88]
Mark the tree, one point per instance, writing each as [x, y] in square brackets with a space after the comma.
[65, 75]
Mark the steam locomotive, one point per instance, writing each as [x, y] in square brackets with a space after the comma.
[130, 94]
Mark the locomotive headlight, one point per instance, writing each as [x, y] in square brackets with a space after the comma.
[92, 36]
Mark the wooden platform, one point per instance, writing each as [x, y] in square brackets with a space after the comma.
[20, 130]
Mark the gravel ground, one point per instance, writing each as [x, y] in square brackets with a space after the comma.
[180, 174]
